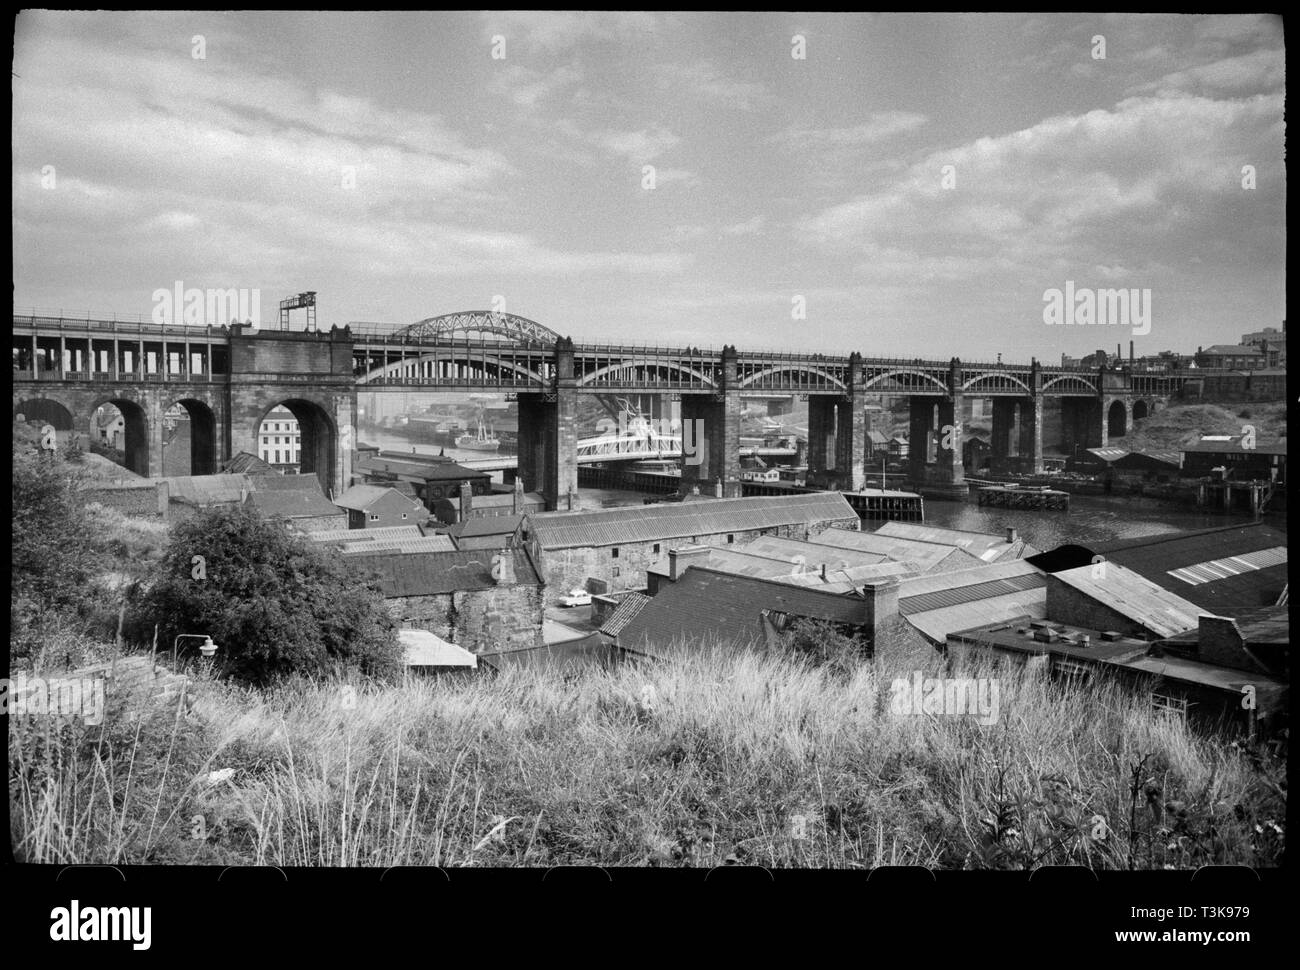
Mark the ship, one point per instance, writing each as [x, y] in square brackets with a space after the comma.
[484, 440]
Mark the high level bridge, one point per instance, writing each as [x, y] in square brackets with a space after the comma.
[229, 377]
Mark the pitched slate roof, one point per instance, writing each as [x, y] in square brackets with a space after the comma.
[338, 536]
[430, 543]
[430, 573]
[244, 462]
[425, 470]
[486, 525]
[624, 613]
[275, 482]
[294, 505]
[208, 489]
[706, 607]
[1161, 558]
[675, 520]
[362, 497]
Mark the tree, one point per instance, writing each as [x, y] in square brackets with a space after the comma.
[53, 554]
[824, 644]
[272, 602]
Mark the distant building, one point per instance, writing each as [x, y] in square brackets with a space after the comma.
[1242, 458]
[1233, 357]
[487, 602]
[616, 546]
[279, 440]
[488, 532]
[378, 506]
[303, 510]
[432, 478]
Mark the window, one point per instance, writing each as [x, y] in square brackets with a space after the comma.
[616, 571]
[1166, 705]
[731, 537]
[1071, 670]
[403, 515]
[277, 456]
[614, 553]
[375, 518]
[656, 548]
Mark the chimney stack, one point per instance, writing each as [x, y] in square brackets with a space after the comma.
[1130, 352]
[466, 500]
[517, 497]
[1011, 534]
[717, 488]
[679, 560]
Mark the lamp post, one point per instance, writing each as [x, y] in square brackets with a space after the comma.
[207, 648]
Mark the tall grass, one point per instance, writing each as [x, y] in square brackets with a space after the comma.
[711, 760]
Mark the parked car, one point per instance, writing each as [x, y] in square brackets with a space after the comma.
[576, 597]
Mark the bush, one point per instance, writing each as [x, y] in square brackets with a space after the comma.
[272, 602]
[54, 553]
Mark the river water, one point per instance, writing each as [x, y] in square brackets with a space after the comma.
[1091, 519]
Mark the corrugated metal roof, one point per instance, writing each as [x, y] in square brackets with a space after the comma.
[957, 595]
[244, 462]
[1235, 446]
[1214, 569]
[425, 649]
[986, 546]
[847, 580]
[1108, 454]
[624, 613]
[926, 556]
[1155, 556]
[1133, 596]
[430, 573]
[369, 535]
[647, 523]
[433, 543]
[812, 554]
[937, 624]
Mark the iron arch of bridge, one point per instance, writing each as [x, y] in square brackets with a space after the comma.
[996, 381]
[1070, 384]
[518, 329]
[649, 363]
[935, 385]
[396, 368]
[766, 375]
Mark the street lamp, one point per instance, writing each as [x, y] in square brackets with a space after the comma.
[207, 648]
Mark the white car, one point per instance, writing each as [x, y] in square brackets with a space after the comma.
[576, 597]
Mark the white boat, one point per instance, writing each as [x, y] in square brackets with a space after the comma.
[485, 440]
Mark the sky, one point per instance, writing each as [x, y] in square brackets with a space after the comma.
[911, 185]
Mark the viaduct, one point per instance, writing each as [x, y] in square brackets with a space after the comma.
[229, 377]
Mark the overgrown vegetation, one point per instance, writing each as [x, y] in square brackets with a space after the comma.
[274, 603]
[719, 759]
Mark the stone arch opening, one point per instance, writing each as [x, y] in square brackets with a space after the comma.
[305, 441]
[190, 439]
[42, 410]
[119, 430]
[1116, 420]
[1140, 410]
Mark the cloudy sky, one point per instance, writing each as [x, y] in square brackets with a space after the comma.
[395, 165]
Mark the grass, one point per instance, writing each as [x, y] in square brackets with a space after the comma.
[708, 761]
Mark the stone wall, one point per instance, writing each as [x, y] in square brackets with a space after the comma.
[479, 620]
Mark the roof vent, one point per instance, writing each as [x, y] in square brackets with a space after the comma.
[1111, 636]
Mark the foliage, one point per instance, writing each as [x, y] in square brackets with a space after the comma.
[272, 602]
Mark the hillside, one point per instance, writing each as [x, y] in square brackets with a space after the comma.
[1183, 424]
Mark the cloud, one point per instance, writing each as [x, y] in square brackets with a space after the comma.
[749, 227]
[526, 87]
[556, 31]
[878, 127]
[640, 146]
[703, 81]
